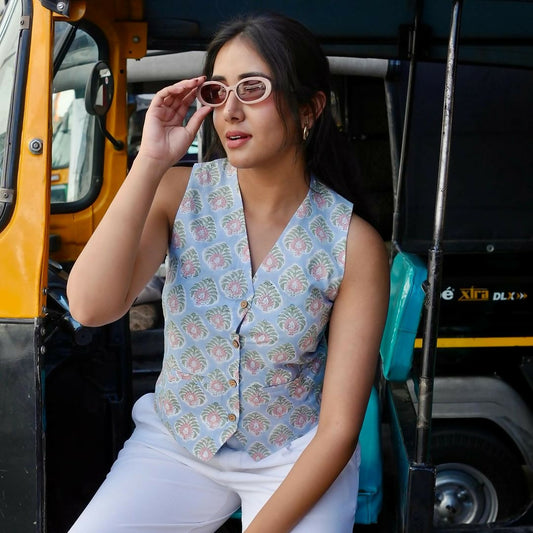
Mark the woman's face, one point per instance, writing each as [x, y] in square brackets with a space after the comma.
[253, 135]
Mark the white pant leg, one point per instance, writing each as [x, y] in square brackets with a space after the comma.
[149, 490]
[255, 482]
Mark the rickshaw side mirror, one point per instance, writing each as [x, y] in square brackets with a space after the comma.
[99, 90]
[99, 96]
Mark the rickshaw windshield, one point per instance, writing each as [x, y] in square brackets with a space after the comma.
[73, 137]
[9, 34]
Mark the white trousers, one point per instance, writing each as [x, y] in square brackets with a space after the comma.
[157, 486]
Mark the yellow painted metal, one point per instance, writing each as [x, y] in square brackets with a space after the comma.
[479, 342]
[127, 39]
[24, 242]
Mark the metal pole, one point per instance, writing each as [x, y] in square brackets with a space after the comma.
[435, 254]
[406, 125]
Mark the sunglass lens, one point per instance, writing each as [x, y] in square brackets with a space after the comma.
[251, 90]
[213, 93]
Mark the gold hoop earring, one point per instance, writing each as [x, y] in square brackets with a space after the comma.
[305, 132]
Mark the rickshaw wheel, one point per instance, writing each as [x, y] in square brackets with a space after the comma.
[479, 478]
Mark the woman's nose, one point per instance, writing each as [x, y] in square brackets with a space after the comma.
[232, 108]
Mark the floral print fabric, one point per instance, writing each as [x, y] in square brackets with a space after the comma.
[245, 355]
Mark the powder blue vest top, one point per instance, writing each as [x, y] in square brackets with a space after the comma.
[244, 356]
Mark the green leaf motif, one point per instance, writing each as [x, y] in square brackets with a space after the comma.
[203, 229]
[168, 403]
[252, 362]
[178, 234]
[256, 395]
[282, 354]
[221, 198]
[234, 284]
[219, 349]
[193, 360]
[293, 281]
[308, 342]
[258, 451]
[303, 416]
[291, 320]
[218, 257]
[321, 230]
[216, 383]
[194, 327]
[175, 299]
[219, 317]
[190, 263]
[277, 376]
[280, 435]
[173, 334]
[267, 297]
[205, 449]
[192, 394]
[214, 416]
[204, 292]
[341, 216]
[274, 260]
[192, 202]
[264, 333]
[187, 427]
[320, 266]
[255, 423]
[297, 241]
[280, 407]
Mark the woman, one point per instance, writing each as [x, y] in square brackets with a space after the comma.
[252, 408]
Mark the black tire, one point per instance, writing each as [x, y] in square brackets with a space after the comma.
[479, 478]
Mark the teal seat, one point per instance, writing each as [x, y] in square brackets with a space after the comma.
[408, 273]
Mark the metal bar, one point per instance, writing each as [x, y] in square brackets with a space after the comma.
[404, 151]
[435, 254]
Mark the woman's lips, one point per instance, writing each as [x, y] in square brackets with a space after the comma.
[235, 139]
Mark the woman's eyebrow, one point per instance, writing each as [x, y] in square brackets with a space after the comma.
[241, 76]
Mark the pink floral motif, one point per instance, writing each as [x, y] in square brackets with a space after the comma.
[233, 225]
[255, 423]
[279, 408]
[253, 363]
[291, 326]
[216, 261]
[201, 296]
[204, 450]
[282, 354]
[319, 271]
[316, 305]
[219, 201]
[258, 452]
[298, 246]
[278, 377]
[272, 262]
[298, 390]
[204, 177]
[188, 268]
[187, 427]
[219, 352]
[201, 233]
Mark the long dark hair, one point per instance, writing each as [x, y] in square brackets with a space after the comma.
[299, 70]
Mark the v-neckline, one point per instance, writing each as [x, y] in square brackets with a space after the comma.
[254, 274]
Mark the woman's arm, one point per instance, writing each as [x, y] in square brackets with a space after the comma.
[355, 330]
[131, 240]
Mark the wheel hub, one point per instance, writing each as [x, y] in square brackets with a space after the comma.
[463, 495]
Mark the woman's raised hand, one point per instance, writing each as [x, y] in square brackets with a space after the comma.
[165, 137]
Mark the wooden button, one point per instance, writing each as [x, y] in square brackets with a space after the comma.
[232, 383]
[232, 417]
[244, 304]
[235, 343]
